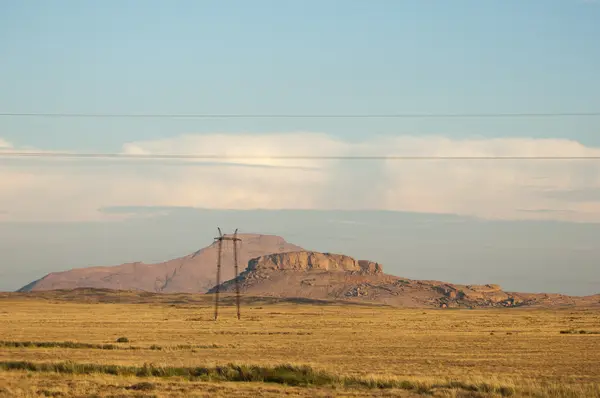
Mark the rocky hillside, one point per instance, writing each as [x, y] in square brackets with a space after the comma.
[325, 276]
[191, 273]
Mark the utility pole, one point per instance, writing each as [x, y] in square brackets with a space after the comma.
[234, 239]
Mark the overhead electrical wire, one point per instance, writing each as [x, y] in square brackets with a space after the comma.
[300, 116]
[74, 155]
[288, 157]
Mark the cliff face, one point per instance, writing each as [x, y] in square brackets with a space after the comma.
[309, 261]
[309, 274]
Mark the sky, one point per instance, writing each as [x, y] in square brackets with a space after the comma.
[527, 224]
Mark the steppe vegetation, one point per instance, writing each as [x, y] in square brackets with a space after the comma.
[51, 346]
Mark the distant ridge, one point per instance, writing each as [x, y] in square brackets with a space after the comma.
[189, 274]
[273, 269]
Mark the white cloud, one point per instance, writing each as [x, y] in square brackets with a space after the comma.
[492, 189]
[5, 144]
[257, 148]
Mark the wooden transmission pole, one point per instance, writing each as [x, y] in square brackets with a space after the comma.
[234, 239]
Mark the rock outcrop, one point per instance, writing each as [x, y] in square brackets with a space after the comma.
[325, 276]
[312, 261]
[309, 274]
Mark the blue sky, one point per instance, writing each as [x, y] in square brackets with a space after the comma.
[385, 56]
[302, 57]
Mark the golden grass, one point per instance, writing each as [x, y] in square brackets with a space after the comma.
[518, 352]
[22, 384]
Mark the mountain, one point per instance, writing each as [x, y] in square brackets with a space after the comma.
[325, 276]
[194, 273]
[272, 267]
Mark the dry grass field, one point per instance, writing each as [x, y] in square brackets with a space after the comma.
[59, 348]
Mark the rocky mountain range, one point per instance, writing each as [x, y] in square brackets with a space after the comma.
[276, 268]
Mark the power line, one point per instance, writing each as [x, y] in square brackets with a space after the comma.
[73, 155]
[300, 116]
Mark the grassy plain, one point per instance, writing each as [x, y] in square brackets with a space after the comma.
[58, 348]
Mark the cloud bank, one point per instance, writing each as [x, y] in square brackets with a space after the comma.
[5, 144]
[75, 190]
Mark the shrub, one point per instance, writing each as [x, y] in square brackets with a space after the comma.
[143, 386]
[573, 331]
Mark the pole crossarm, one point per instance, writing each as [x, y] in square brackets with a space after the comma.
[227, 238]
